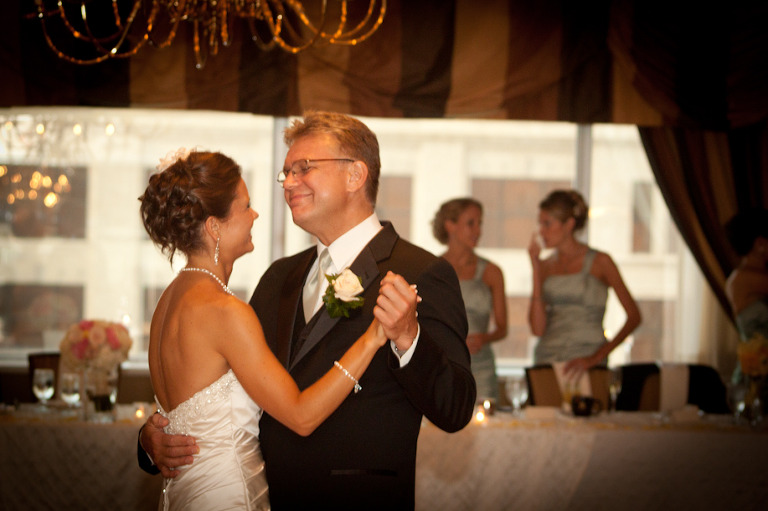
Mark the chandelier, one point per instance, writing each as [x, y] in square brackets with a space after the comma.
[92, 31]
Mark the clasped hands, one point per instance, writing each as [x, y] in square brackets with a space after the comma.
[396, 310]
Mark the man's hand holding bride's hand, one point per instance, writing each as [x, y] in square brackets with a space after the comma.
[167, 451]
[396, 310]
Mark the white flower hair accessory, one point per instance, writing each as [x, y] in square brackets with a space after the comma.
[173, 156]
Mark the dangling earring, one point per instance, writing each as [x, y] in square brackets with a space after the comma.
[216, 253]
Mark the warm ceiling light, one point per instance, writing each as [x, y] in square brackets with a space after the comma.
[103, 29]
[50, 200]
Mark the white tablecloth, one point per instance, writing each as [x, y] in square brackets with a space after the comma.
[60, 463]
[627, 461]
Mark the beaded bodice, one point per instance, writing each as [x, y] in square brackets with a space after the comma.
[195, 407]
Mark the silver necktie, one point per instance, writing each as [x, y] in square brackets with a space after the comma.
[316, 284]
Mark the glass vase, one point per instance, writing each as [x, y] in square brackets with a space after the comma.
[753, 410]
[101, 394]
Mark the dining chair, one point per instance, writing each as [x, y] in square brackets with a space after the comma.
[600, 381]
[45, 360]
[641, 388]
[707, 389]
[543, 389]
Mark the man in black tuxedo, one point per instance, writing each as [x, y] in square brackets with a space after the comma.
[364, 455]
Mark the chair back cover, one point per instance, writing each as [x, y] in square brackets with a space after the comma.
[543, 389]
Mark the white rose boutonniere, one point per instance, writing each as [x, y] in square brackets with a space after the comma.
[341, 295]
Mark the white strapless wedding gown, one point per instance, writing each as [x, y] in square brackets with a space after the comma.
[228, 473]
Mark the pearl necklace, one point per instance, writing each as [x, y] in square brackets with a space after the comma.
[203, 270]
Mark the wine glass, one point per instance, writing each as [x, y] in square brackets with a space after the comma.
[42, 385]
[614, 386]
[70, 388]
[517, 392]
[736, 394]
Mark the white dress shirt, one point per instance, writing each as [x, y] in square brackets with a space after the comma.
[343, 251]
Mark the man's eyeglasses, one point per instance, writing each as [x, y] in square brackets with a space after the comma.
[299, 168]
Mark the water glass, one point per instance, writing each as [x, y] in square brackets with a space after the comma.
[42, 384]
[70, 388]
[517, 392]
[615, 387]
[570, 390]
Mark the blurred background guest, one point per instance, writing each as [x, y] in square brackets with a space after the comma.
[570, 289]
[747, 285]
[458, 225]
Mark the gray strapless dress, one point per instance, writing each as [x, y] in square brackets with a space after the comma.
[479, 303]
[229, 471]
[575, 306]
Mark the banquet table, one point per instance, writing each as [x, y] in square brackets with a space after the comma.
[624, 460]
[56, 460]
[553, 461]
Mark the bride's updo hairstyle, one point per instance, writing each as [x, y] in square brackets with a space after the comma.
[183, 195]
[565, 204]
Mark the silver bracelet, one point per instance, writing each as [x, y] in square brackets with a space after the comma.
[358, 388]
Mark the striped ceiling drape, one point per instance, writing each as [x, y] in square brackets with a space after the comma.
[673, 71]
[544, 60]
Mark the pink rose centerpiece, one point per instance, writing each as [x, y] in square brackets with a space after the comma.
[95, 345]
[95, 349]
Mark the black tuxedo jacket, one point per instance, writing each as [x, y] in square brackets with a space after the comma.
[363, 456]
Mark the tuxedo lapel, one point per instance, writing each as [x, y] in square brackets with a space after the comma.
[364, 266]
[290, 299]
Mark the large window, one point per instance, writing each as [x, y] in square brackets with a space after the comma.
[52, 274]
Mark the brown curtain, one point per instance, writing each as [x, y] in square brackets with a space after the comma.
[705, 178]
[708, 78]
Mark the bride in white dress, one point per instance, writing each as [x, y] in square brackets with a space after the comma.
[208, 359]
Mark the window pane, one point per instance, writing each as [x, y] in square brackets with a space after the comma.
[630, 221]
[36, 316]
[510, 209]
[394, 203]
[41, 201]
[92, 244]
[641, 217]
[92, 259]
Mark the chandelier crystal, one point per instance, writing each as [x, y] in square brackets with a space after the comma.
[92, 31]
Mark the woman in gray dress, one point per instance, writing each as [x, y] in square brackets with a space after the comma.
[570, 289]
[457, 224]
